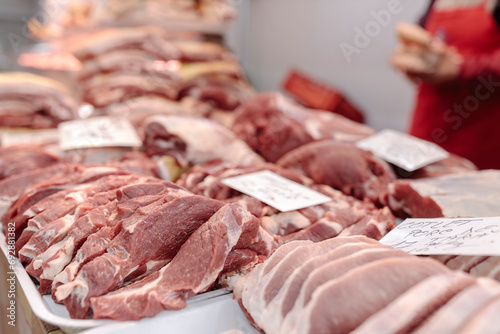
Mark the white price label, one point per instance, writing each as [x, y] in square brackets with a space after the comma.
[447, 236]
[403, 150]
[98, 132]
[276, 191]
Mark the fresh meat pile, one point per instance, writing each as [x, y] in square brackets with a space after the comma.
[192, 140]
[273, 126]
[356, 285]
[161, 11]
[343, 215]
[466, 194]
[84, 231]
[22, 158]
[343, 166]
[179, 72]
[32, 101]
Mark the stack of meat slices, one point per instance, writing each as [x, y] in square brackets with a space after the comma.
[84, 231]
[273, 126]
[32, 101]
[356, 285]
[123, 67]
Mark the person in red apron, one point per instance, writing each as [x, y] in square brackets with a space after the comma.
[458, 103]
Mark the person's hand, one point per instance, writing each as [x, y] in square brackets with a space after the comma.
[435, 66]
[423, 58]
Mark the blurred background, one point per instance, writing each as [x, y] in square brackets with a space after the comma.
[272, 37]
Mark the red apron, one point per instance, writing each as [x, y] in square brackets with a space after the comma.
[464, 116]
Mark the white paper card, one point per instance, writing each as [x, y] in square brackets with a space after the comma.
[276, 191]
[447, 236]
[403, 150]
[98, 132]
[10, 138]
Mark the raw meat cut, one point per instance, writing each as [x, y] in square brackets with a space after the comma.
[153, 40]
[50, 263]
[104, 90]
[468, 194]
[292, 126]
[205, 179]
[14, 186]
[129, 199]
[192, 140]
[357, 285]
[154, 233]
[136, 110]
[222, 92]
[196, 51]
[342, 166]
[278, 308]
[270, 285]
[451, 317]
[40, 199]
[39, 235]
[342, 214]
[22, 158]
[193, 270]
[408, 310]
[32, 101]
[179, 12]
[131, 61]
[485, 320]
[372, 285]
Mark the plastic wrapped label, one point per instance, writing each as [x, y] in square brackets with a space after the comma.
[403, 150]
[276, 191]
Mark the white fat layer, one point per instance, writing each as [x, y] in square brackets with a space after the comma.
[78, 196]
[79, 288]
[57, 263]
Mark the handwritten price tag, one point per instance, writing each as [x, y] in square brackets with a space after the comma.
[276, 191]
[403, 150]
[98, 132]
[447, 236]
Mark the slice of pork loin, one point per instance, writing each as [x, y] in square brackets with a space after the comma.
[451, 317]
[343, 166]
[332, 270]
[270, 284]
[408, 310]
[485, 320]
[373, 286]
[284, 301]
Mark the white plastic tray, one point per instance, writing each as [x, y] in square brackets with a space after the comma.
[219, 315]
[56, 314]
